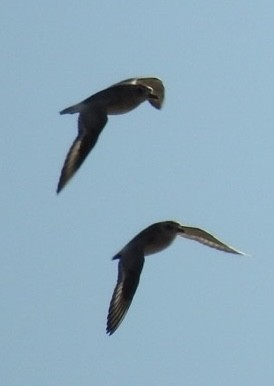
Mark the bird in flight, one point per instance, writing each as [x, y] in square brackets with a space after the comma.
[93, 112]
[151, 240]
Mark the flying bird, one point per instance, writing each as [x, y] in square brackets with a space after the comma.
[151, 240]
[93, 112]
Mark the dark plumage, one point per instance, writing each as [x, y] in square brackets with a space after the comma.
[151, 240]
[93, 115]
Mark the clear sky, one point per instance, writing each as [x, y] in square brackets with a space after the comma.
[200, 317]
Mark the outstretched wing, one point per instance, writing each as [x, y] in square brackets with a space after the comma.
[206, 238]
[129, 271]
[90, 126]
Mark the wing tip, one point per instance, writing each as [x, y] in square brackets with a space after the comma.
[60, 185]
[109, 331]
[58, 189]
[237, 252]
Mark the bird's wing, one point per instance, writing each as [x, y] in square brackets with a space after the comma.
[90, 125]
[206, 238]
[129, 271]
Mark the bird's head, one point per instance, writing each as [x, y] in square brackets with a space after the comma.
[171, 227]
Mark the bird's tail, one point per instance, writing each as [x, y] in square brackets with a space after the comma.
[72, 109]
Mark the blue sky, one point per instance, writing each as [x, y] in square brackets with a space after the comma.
[199, 317]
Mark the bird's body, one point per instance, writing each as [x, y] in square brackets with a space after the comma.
[93, 115]
[115, 100]
[151, 240]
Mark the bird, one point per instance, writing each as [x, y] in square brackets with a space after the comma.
[131, 258]
[93, 112]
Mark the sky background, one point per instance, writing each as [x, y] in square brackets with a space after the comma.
[200, 317]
